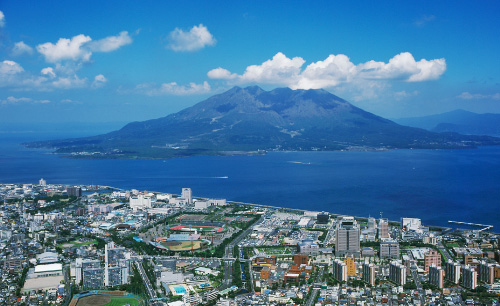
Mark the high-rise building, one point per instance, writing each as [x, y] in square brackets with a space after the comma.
[397, 273]
[322, 218]
[436, 276]
[339, 270]
[383, 228]
[93, 278]
[469, 277]
[347, 237]
[187, 195]
[452, 271]
[389, 248]
[350, 264]
[486, 272]
[372, 223]
[433, 257]
[369, 274]
[74, 191]
[116, 265]
[42, 182]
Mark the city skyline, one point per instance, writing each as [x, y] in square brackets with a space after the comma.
[143, 60]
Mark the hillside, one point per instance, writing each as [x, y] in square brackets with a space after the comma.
[250, 120]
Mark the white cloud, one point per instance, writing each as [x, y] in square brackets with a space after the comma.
[2, 19]
[13, 100]
[12, 75]
[197, 38]
[21, 48]
[221, 74]
[66, 49]
[10, 68]
[468, 96]
[335, 70]
[172, 89]
[69, 82]
[49, 71]
[111, 43]
[99, 81]
[80, 47]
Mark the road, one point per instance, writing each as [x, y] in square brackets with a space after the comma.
[149, 288]
[229, 257]
[444, 251]
[416, 278]
[315, 291]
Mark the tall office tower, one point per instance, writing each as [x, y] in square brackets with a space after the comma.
[433, 257]
[436, 276]
[452, 271]
[389, 248]
[347, 237]
[486, 272]
[372, 223]
[339, 270]
[369, 274]
[383, 228]
[397, 273]
[469, 277]
[187, 195]
[42, 182]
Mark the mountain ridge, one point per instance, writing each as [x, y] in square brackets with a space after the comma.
[243, 120]
[458, 121]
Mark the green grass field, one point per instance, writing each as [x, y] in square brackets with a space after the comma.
[104, 300]
[123, 300]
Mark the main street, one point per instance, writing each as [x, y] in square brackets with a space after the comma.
[315, 291]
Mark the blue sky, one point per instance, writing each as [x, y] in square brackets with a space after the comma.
[63, 61]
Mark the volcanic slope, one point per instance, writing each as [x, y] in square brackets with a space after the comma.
[244, 120]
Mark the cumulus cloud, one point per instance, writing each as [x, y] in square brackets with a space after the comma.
[10, 68]
[2, 19]
[99, 81]
[12, 75]
[66, 49]
[111, 43]
[80, 47]
[172, 89]
[335, 70]
[21, 48]
[49, 71]
[469, 96]
[196, 38]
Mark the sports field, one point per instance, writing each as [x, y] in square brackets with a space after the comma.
[181, 245]
[199, 228]
[108, 300]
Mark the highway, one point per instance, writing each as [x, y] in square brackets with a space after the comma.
[149, 288]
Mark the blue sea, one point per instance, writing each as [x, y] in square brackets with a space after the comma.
[434, 185]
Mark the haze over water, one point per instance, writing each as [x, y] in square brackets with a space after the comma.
[434, 185]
